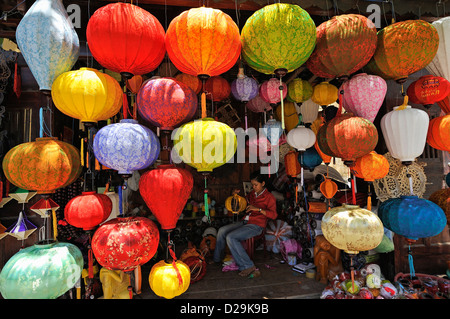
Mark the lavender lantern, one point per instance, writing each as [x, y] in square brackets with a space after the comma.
[244, 89]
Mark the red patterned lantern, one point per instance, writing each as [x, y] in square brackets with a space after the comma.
[428, 89]
[270, 91]
[166, 190]
[126, 39]
[88, 210]
[125, 243]
[217, 89]
[438, 135]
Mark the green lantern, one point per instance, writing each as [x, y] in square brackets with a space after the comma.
[43, 271]
[278, 37]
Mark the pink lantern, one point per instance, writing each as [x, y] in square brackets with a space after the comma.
[363, 95]
[258, 105]
[270, 91]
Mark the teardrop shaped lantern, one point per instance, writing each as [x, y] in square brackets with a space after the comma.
[126, 39]
[299, 90]
[324, 94]
[438, 135]
[126, 146]
[363, 95]
[428, 89]
[328, 188]
[135, 83]
[217, 89]
[309, 111]
[166, 103]
[87, 94]
[48, 41]
[272, 130]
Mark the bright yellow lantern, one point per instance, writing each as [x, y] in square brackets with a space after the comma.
[290, 115]
[324, 93]
[87, 94]
[169, 280]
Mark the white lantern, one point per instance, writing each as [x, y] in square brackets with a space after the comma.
[301, 138]
[405, 132]
[440, 66]
[309, 111]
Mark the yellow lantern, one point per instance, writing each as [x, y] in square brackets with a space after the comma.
[324, 93]
[235, 203]
[87, 94]
[169, 280]
[290, 115]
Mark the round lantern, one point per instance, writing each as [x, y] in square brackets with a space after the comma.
[273, 131]
[270, 91]
[124, 243]
[169, 280]
[258, 105]
[325, 158]
[412, 217]
[441, 198]
[405, 132]
[244, 88]
[352, 228]
[45, 270]
[278, 37]
[87, 94]
[336, 41]
[290, 115]
[126, 39]
[48, 41]
[371, 166]
[440, 65]
[428, 89]
[403, 48]
[217, 89]
[166, 103]
[88, 210]
[322, 140]
[235, 203]
[299, 90]
[203, 42]
[43, 166]
[291, 164]
[310, 159]
[191, 81]
[301, 138]
[166, 190]
[350, 137]
[126, 146]
[324, 94]
[363, 95]
[438, 135]
[309, 111]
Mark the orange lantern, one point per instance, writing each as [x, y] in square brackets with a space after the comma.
[292, 164]
[328, 188]
[371, 166]
[326, 158]
[190, 80]
[135, 83]
[438, 135]
[217, 89]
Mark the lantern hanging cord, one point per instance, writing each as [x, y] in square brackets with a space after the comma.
[307, 216]
[282, 102]
[409, 176]
[170, 251]
[410, 261]
[206, 202]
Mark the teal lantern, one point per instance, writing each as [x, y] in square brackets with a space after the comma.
[46, 270]
[309, 159]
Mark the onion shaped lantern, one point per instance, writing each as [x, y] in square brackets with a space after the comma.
[438, 135]
[135, 83]
[48, 41]
[273, 131]
[301, 138]
[169, 280]
[126, 39]
[166, 103]
[217, 89]
[309, 111]
[299, 90]
[87, 94]
[191, 81]
[324, 94]
[126, 146]
[428, 89]
[45, 270]
[124, 243]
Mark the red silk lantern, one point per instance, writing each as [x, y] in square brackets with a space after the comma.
[88, 210]
[292, 164]
[166, 190]
[438, 135]
[124, 243]
[322, 141]
[166, 103]
[428, 89]
[190, 80]
[371, 166]
[126, 39]
[135, 83]
[270, 91]
[217, 89]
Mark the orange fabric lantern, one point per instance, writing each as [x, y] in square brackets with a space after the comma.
[292, 164]
[445, 104]
[135, 83]
[328, 188]
[438, 135]
[371, 166]
[217, 89]
[190, 80]
[428, 89]
[326, 158]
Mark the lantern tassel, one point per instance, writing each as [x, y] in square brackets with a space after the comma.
[41, 122]
[17, 80]
[203, 102]
[55, 224]
[246, 127]
[125, 103]
[206, 202]
[90, 263]
[369, 199]
[411, 263]
[352, 272]
[282, 103]
[353, 192]
[82, 151]
[174, 262]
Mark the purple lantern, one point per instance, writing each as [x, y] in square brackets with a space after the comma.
[244, 89]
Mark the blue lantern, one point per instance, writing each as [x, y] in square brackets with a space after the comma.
[273, 131]
[126, 146]
[310, 158]
[48, 41]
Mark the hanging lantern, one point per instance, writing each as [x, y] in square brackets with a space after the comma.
[169, 280]
[217, 89]
[438, 135]
[235, 203]
[441, 198]
[125, 243]
[22, 195]
[371, 166]
[88, 210]
[403, 48]
[301, 138]
[166, 103]
[41, 271]
[48, 41]
[87, 94]
[290, 115]
[405, 132]
[270, 91]
[299, 90]
[126, 146]
[363, 95]
[336, 41]
[324, 94]
[43, 166]
[135, 83]
[428, 89]
[258, 105]
[440, 65]
[22, 228]
[311, 159]
[166, 190]
[322, 140]
[309, 111]
[325, 158]
[278, 36]
[191, 81]
[445, 104]
[273, 131]
[244, 88]
[328, 188]
[44, 207]
[292, 164]
[126, 39]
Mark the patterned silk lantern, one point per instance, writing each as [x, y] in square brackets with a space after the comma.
[88, 210]
[190, 80]
[324, 94]
[126, 39]
[322, 140]
[217, 89]
[292, 164]
[290, 116]
[42, 271]
[125, 243]
[43, 166]
[87, 94]
[405, 132]
[278, 36]
[166, 103]
[126, 146]
[48, 41]
[438, 135]
[309, 111]
[301, 138]
[403, 48]
[169, 280]
[166, 190]
[428, 89]
[299, 90]
[335, 53]
[258, 105]
[363, 95]
[244, 88]
[270, 92]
